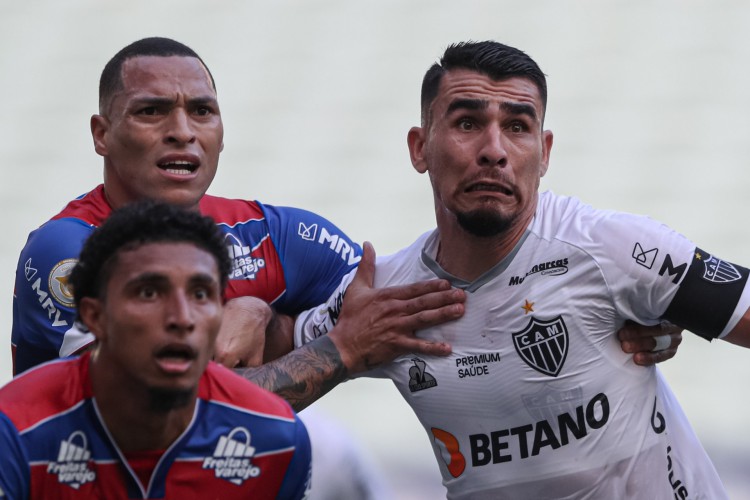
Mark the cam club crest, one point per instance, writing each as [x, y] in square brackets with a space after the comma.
[543, 345]
[718, 271]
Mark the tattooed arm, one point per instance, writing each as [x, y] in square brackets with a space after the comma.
[303, 375]
[375, 326]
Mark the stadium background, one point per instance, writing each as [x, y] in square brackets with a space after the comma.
[648, 102]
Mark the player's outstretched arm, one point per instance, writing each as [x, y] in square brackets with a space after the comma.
[650, 344]
[375, 326]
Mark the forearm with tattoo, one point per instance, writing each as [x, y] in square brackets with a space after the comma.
[303, 375]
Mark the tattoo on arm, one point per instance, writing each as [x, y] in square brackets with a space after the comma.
[303, 375]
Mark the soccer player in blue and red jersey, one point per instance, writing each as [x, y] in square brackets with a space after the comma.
[145, 413]
[160, 133]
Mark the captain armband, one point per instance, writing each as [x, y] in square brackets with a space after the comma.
[708, 295]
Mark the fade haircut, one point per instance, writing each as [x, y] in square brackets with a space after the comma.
[111, 79]
[137, 224]
[490, 58]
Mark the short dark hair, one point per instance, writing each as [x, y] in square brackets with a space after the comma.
[490, 58]
[137, 224]
[111, 79]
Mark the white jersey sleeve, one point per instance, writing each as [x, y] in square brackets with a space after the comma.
[320, 320]
[653, 272]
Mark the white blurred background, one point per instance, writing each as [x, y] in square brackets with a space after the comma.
[648, 101]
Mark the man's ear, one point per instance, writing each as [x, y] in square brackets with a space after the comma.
[91, 311]
[415, 139]
[99, 128]
[546, 150]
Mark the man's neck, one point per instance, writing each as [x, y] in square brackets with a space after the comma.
[467, 256]
[129, 417]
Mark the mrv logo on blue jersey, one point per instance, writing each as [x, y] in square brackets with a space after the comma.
[333, 241]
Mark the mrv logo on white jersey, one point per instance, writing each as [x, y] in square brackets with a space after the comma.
[232, 457]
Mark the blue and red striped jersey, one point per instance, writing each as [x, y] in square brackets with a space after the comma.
[291, 258]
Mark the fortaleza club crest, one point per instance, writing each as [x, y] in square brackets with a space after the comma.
[543, 345]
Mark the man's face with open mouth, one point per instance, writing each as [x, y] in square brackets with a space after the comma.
[159, 316]
[160, 135]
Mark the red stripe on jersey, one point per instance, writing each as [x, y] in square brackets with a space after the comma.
[31, 398]
[231, 389]
[92, 207]
[143, 463]
[229, 211]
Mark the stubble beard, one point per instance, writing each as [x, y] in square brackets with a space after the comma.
[484, 223]
[162, 400]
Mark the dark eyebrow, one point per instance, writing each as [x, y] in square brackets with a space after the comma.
[148, 278]
[159, 279]
[166, 101]
[211, 100]
[152, 101]
[204, 280]
[517, 108]
[469, 104]
[514, 108]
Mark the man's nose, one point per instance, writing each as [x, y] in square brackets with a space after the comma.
[492, 151]
[180, 127]
[179, 313]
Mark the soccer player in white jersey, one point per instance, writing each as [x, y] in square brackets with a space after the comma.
[537, 400]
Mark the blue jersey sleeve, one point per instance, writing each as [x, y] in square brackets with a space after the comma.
[15, 476]
[296, 483]
[43, 309]
[314, 253]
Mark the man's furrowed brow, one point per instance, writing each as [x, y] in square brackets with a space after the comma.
[517, 108]
[467, 104]
[207, 99]
[166, 101]
[153, 101]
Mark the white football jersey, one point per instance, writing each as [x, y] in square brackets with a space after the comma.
[537, 399]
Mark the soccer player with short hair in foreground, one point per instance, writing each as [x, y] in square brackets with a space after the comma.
[145, 413]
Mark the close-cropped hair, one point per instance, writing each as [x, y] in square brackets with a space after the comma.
[137, 224]
[490, 58]
[111, 79]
